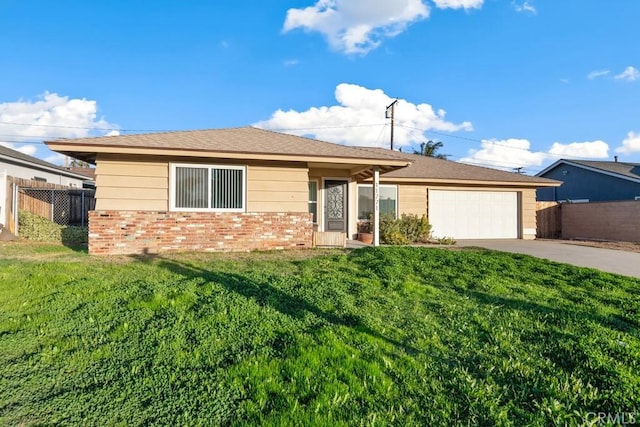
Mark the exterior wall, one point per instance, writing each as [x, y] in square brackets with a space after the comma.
[413, 199]
[29, 173]
[277, 189]
[127, 232]
[142, 184]
[528, 216]
[124, 184]
[604, 220]
[579, 183]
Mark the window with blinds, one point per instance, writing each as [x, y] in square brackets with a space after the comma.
[205, 187]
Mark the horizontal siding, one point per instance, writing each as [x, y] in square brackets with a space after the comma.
[281, 196]
[528, 197]
[144, 186]
[139, 169]
[125, 181]
[331, 173]
[412, 199]
[131, 205]
[133, 193]
[279, 189]
[132, 185]
[280, 175]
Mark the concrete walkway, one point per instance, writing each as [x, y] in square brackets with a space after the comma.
[612, 261]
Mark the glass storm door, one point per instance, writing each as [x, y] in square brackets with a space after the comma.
[335, 205]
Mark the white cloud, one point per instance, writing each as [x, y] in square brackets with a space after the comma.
[589, 150]
[50, 116]
[629, 74]
[513, 152]
[359, 119]
[459, 4]
[55, 158]
[631, 144]
[525, 7]
[505, 154]
[358, 26]
[291, 62]
[597, 73]
[28, 149]
[565, 81]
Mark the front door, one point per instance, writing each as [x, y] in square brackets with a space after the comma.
[335, 205]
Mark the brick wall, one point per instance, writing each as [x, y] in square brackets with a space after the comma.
[134, 232]
[602, 220]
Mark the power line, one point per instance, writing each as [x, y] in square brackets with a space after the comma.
[492, 164]
[64, 127]
[279, 129]
[328, 127]
[493, 143]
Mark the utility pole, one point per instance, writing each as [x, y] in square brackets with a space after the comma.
[390, 114]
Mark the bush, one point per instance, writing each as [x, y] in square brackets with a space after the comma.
[37, 228]
[409, 228]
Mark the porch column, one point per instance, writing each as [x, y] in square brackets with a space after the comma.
[376, 206]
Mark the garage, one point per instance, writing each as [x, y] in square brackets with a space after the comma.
[467, 214]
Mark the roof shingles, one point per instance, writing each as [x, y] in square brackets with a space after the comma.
[247, 140]
[430, 168]
[630, 170]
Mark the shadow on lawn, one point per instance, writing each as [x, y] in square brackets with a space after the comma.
[266, 294]
[612, 321]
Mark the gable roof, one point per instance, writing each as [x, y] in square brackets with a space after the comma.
[431, 169]
[244, 142]
[14, 156]
[623, 170]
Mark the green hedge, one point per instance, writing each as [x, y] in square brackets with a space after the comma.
[409, 228]
[37, 228]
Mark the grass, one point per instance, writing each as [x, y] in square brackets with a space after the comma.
[387, 336]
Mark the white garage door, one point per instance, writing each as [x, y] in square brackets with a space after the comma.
[474, 214]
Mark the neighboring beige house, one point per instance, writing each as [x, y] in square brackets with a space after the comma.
[463, 201]
[247, 188]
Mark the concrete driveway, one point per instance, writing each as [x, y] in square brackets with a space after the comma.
[612, 261]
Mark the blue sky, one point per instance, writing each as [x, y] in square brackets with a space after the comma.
[499, 82]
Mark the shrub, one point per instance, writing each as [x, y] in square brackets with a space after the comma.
[409, 228]
[37, 228]
[446, 241]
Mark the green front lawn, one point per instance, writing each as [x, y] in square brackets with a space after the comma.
[401, 336]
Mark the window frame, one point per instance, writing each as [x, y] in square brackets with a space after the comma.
[371, 186]
[209, 167]
[317, 182]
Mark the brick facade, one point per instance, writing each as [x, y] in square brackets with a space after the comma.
[134, 232]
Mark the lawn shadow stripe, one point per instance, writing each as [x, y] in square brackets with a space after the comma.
[267, 295]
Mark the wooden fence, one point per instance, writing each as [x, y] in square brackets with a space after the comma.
[549, 221]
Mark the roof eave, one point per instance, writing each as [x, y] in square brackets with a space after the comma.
[470, 182]
[90, 151]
